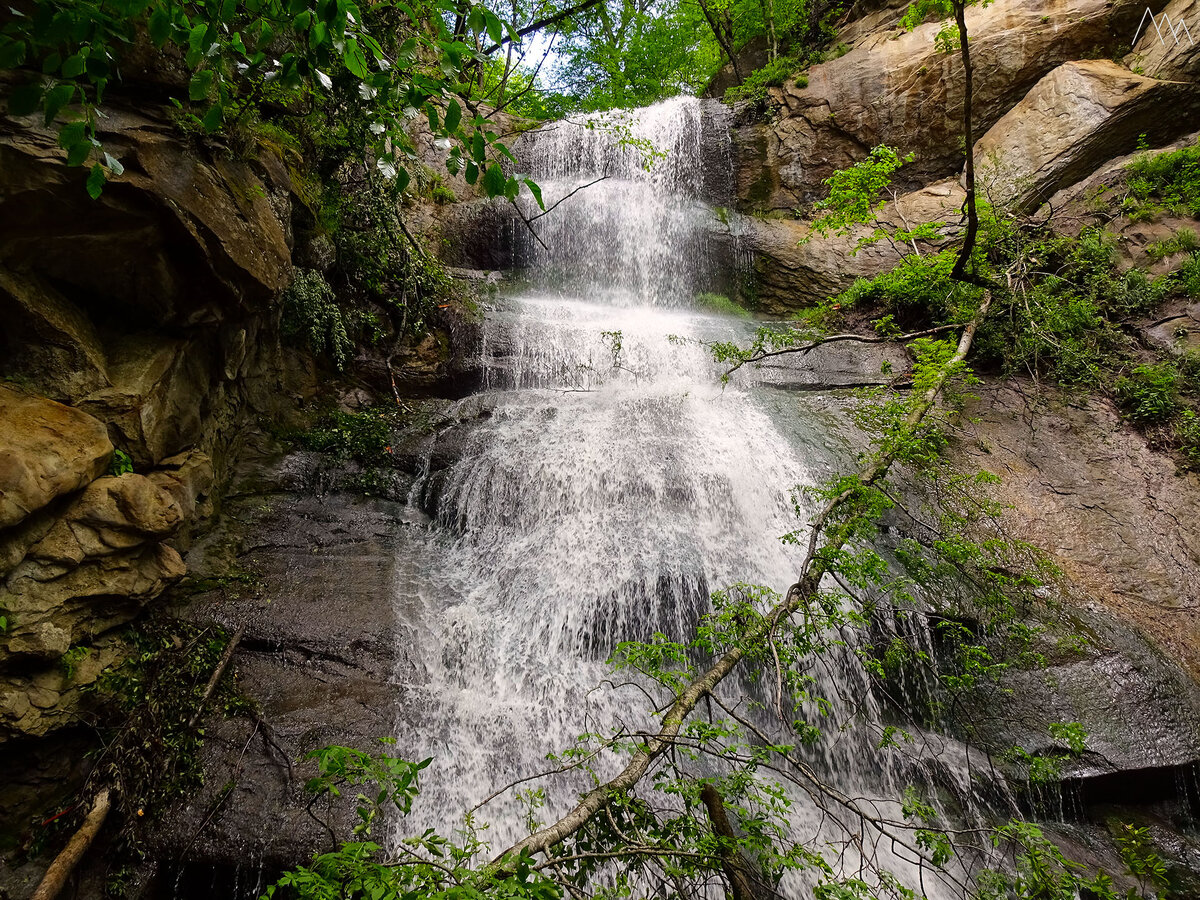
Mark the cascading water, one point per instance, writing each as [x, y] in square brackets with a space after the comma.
[614, 484]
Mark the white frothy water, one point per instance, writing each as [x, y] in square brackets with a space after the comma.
[614, 485]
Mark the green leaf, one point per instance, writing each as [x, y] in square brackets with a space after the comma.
[56, 98]
[356, 60]
[159, 26]
[472, 173]
[77, 154]
[432, 113]
[476, 21]
[453, 116]
[75, 66]
[213, 118]
[478, 147]
[199, 86]
[536, 190]
[12, 54]
[71, 134]
[402, 179]
[494, 180]
[114, 164]
[495, 28]
[25, 99]
[95, 181]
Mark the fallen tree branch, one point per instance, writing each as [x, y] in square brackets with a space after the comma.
[211, 687]
[64, 864]
[837, 338]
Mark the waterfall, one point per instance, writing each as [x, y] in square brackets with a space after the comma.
[611, 483]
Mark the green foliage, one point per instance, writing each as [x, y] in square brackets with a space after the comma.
[384, 64]
[1149, 394]
[428, 866]
[722, 305]
[1187, 432]
[69, 660]
[773, 74]
[149, 753]
[312, 314]
[1182, 241]
[1165, 181]
[855, 193]
[120, 464]
[1188, 276]
[364, 436]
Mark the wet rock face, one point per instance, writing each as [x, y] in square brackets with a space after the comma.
[144, 321]
[322, 657]
[1118, 518]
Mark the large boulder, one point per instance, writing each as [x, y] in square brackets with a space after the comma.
[1071, 123]
[899, 88]
[1167, 51]
[179, 238]
[794, 268]
[46, 450]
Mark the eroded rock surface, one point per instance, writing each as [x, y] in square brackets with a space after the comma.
[46, 450]
[900, 89]
[1071, 123]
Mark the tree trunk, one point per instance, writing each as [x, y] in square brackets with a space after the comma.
[964, 255]
[64, 864]
[736, 867]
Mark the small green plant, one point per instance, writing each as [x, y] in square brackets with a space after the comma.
[71, 659]
[1150, 393]
[1166, 181]
[722, 305]
[442, 195]
[1188, 276]
[363, 436]
[1187, 432]
[1183, 241]
[120, 464]
[773, 74]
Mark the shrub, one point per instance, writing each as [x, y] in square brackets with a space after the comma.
[1168, 180]
[1149, 394]
[1187, 432]
[311, 312]
[364, 436]
[773, 74]
[1188, 276]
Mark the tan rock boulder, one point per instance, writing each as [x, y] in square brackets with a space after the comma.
[898, 88]
[46, 450]
[791, 274]
[1072, 122]
[1168, 51]
[53, 606]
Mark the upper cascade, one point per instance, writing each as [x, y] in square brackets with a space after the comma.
[637, 190]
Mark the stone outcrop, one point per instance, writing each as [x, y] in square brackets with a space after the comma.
[147, 306]
[1071, 123]
[794, 268]
[83, 571]
[900, 89]
[1167, 51]
[144, 321]
[1090, 491]
[46, 450]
